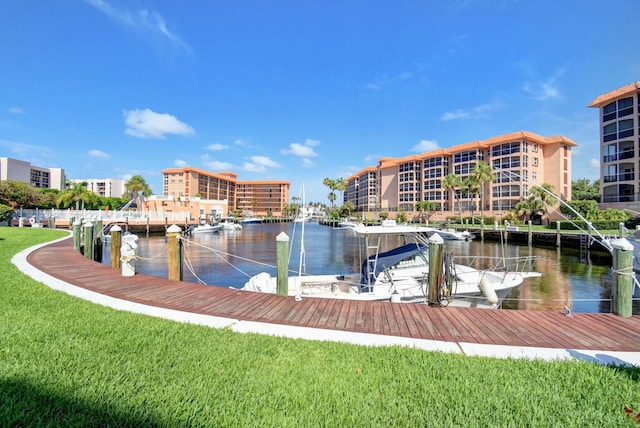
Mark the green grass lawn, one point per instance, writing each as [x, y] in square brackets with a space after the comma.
[67, 362]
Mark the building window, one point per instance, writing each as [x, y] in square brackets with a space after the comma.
[535, 161]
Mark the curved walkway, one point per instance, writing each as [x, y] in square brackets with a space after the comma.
[601, 338]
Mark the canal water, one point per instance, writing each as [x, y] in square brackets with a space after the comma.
[228, 258]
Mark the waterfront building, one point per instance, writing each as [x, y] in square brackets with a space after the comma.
[261, 197]
[107, 187]
[619, 112]
[35, 176]
[520, 160]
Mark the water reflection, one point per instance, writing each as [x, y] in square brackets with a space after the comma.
[229, 258]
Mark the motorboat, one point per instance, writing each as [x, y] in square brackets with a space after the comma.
[228, 223]
[347, 224]
[203, 228]
[401, 274]
[250, 220]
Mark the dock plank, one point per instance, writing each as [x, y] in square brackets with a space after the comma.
[503, 327]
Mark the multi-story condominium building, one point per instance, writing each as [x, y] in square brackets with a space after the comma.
[260, 196]
[619, 143]
[35, 176]
[108, 187]
[520, 160]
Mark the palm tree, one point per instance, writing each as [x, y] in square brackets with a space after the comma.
[332, 198]
[331, 184]
[76, 193]
[452, 182]
[537, 202]
[545, 195]
[471, 187]
[341, 185]
[138, 187]
[427, 206]
[483, 172]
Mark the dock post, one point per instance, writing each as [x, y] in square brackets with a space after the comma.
[621, 229]
[52, 222]
[282, 265]
[558, 233]
[76, 235]
[482, 229]
[530, 233]
[436, 243]
[116, 242]
[88, 240]
[97, 240]
[147, 226]
[623, 284]
[174, 248]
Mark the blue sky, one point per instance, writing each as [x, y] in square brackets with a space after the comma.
[300, 90]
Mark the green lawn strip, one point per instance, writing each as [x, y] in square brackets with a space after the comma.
[67, 362]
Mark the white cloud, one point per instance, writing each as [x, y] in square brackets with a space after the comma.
[217, 146]
[299, 150]
[15, 110]
[253, 168]
[259, 164]
[594, 163]
[478, 112]
[148, 124]
[179, 163]
[264, 161]
[546, 90]
[304, 151]
[241, 143]
[146, 19]
[98, 153]
[215, 165]
[425, 146]
[384, 80]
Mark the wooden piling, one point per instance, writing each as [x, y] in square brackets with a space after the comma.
[97, 240]
[116, 243]
[76, 235]
[436, 243]
[88, 240]
[623, 284]
[174, 250]
[530, 240]
[282, 265]
[558, 234]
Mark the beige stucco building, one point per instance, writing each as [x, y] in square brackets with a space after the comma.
[619, 112]
[520, 161]
[35, 176]
[261, 197]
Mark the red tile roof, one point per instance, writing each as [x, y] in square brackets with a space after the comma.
[605, 99]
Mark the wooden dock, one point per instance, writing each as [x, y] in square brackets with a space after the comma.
[606, 332]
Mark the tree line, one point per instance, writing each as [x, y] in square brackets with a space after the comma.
[16, 194]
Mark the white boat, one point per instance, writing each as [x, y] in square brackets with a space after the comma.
[203, 228]
[250, 220]
[452, 234]
[446, 234]
[347, 224]
[402, 274]
[228, 223]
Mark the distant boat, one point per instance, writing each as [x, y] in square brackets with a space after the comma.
[250, 220]
[347, 224]
[203, 228]
[228, 223]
